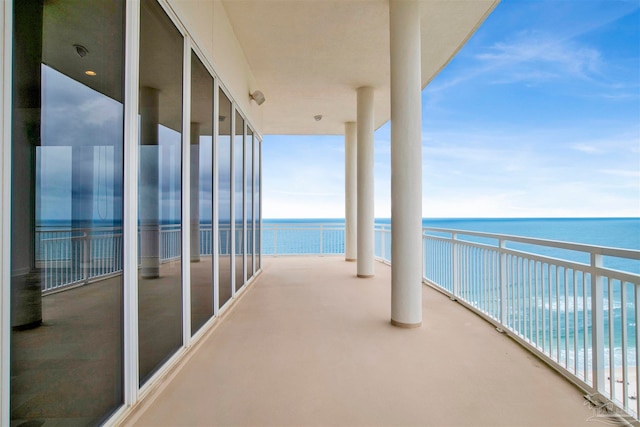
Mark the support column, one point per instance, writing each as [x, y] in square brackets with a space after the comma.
[195, 192]
[350, 191]
[406, 164]
[82, 165]
[365, 208]
[26, 292]
[148, 196]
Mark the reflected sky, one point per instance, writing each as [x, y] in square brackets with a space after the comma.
[64, 100]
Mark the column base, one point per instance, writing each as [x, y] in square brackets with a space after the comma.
[350, 259]
[26, 300]
[365, 276]
[405, 325]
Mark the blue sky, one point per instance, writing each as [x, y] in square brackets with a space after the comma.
[537, 116]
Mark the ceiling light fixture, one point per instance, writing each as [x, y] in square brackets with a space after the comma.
[81, 50]
[318, 117]
[90, 73]
[258, 97]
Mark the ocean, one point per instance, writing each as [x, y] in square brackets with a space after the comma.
[611, 232]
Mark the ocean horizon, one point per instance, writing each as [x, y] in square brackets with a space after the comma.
[619, 232]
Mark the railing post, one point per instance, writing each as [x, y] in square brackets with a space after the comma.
[382, 245]
[275, 239]
[424, 255]
[455, 271]
[86, 257]
[321, 240]
[503, 283]
[597, 324]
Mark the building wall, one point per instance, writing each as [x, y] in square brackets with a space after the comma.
[208, 24]
[207, 31]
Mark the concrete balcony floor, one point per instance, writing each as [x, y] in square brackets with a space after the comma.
[310, 344]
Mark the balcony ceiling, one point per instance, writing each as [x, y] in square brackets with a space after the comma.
[310, 56]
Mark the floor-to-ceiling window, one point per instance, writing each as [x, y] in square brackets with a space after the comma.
[249, 198]
[201, 184]
[239, 181]
[159, 189]
[67, 308]
[66, 212]
[224, 197]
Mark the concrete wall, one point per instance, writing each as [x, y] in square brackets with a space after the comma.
[207, 23]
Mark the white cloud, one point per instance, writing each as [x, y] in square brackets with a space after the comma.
[585, 148]
[623, 173]
[542, 57]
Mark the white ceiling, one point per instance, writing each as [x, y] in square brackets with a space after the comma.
[310, 56]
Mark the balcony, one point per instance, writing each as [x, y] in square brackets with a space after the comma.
[311, 344]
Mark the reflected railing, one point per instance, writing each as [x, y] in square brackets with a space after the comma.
[69, 257]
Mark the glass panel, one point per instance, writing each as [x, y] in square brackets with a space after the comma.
[224, 199]
[249, 178]
[238, 162]
[258, 212]
[66, 206]
[201, 194]
[159, 207]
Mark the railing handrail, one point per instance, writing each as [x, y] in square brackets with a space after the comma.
[578, 247]
[306, 224]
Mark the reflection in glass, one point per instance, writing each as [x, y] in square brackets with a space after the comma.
[250, 226]
[224, 198]
[67, 181]
[238, 163]
[159, 203]
[201, 194]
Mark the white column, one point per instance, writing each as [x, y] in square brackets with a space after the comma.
[350, 191]
[22, 136]
[365, 126]
[149, 180]
[195, 192]
[406, 164]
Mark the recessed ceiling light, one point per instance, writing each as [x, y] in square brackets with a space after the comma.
[90, 73]
[318, 117]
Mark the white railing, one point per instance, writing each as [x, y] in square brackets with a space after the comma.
[571, 304]
[382, 243]
[70, 257]
[206, 242]
[170, 242]
[302, 239]
[74, 256]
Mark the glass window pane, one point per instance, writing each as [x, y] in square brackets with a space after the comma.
[224, 198]
[249, 210]
[238, 160]
[159, 189]
[258, 212]
[201, 194]
[67, 184]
